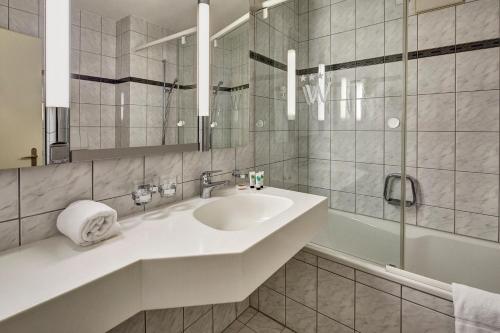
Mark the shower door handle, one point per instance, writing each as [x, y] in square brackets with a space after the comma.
[388, 186]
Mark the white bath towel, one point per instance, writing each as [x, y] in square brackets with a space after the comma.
[476, 311]
[87, 222]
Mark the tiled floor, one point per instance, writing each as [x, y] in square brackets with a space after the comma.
[253, 321]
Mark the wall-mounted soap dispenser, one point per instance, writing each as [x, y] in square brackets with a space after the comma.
[57, 141]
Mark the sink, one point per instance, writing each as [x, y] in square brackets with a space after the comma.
[240, 212]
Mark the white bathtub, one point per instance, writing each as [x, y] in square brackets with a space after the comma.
[433, 254]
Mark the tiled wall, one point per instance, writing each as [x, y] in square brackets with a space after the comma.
[24, 16]
[453, 114]
[315, 294]
[196, 319]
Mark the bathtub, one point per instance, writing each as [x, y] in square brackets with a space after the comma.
[434, 255]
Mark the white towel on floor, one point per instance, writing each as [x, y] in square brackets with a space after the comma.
[476, 311]
[87, 222]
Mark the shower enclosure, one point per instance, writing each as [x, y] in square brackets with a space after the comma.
[374, 85]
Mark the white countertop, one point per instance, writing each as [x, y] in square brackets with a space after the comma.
[37, 273]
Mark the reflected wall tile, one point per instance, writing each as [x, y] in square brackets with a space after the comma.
[343, 47]
[370, 41]
[90, 41]
[477, 152]
[23, 22]
[272, 304]
[370, 179]
[476, 225]
[90, 64]
[343, 16]
[4, 17]
[9, 193]
[319, 23]
[301, 279]
[9, 235]
[478, 111]
[343, 176]
[437, 74]
[223, 159]
[277, 145]
[436, 112]
[436, 150]
[276, 175]
[90, 92]
[370, 81]
[315, 123]
[336, 297]
[262, 146]
[376, 310]
[39, 227]
[261, 114]
[54, 187]
[478, 70]
[477, 21]
[393, 10]
[291, 172]
[477, 193]
[113, 178]
[343, 84]
[319, 51]
[369, 206]
[437, 187]
[370, 147]
[393, 37]
[299, 317]
[90, 20]
[303, 27]
[369, 12]
[416, 319]
[315, 4]
[370, 114]
[429, 23]
[194, 163]
[319, 144]
[343, 145]
[319, 173]
[343, 201]
[343, 115]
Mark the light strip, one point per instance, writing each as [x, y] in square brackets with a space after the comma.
[57, 53]
[271, 3]
[231, 26]
[291, 75]
[321, 92]
[180, 34]
[203, 58]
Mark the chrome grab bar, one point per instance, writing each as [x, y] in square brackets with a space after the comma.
[388, 186]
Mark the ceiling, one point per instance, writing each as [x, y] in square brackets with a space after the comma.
[175, 15]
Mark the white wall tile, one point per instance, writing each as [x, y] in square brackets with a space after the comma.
[478, 20]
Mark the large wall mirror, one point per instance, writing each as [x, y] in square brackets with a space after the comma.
[131, 81]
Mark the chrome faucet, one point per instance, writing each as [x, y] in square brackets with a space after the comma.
[206, 184]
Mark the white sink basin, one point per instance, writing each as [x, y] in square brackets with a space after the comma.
[240, 212]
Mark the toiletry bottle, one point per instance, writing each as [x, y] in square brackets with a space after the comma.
[251, 175]
[257, 181]
[262, 179]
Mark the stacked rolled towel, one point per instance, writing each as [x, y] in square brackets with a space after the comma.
[476, 311]
[88, 222]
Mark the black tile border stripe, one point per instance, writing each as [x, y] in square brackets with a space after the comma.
[148, 82]
[451, 49]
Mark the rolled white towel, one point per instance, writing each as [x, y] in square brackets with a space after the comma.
[88, 222]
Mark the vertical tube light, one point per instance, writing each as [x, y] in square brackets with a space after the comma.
[203, 58]
[292, 90]
[57, 53]
[321, 92]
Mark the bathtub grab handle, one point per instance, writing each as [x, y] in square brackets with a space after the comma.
[388, 186]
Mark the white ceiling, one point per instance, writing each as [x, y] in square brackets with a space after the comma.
[175, 15]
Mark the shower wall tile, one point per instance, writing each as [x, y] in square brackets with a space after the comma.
[343, 177]
[476, 225]
[477, 193]
[477, 21]
[319, 145]
[370, 147]
[429, 23]
[319, 173]
[435, 218]
[319, 23]
[436, 150]
[478, 111]
[343, 201]
[369, 179]
[370, 114]
[343, 145]
[437, 74]
[477, 152]
[343, 16]
[370, 42]
[319, 51]
[478, 70]
[370, 206]
[436, 112]
[437, 187]
[370, 81]
[369, 12]
[343, 47]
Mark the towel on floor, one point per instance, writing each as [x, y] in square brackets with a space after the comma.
[476, 311]
[88, 222]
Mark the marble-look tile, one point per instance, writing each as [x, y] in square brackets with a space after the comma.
[301, 279]
[342, 114]
[254, 299]
[416, 319]
[478, 70]
[9, 194]
[262, 148]
[319, 173]
[477, 20]
[25, 5]
[235, 327]
[343, 176]
[303, 27]
[23, 22]
[435, 218]
[393, 148]
[247, 315]
[203, 325]
[90, 41]
[477, 193]
[242, 306]
[370, 147]
[393, 79]
[109, 26]
[477, 152]
[108, 45]
[369, 206]
[38, 227]
[90, 92]
[370, 81]
[194, 163]
[272, 304]
[124, 205]
[343, 16]
[319, 23]
[343, 145]
[193, 313]
[393, 10]
[343, 88]
[376, 311]
[276, 176]
[326, 325]
[436, 187]
[393, 108]
[437, 74]
[113, 178]
[476, 225]
[370, 114]
[343, 201]
[378, 283]
[436, 112]
[319, 51]
[478, 111]
[277, 145]
[436, 150]
[9, 235]
[336, 297]
[277, 281]
[369, 12]
[167, 167]
[393, 37]
[223, 316]
[4, 17]
[369, 179]
[262, 324]
[165, 321]
[442, 20]
[429, 301]
[300, 318]
[370, 41]
[307, 257]
[135, 324]
[336, 268]
[319, 145]
[343, 47]
[90, 20]
[54, 187]
[315, 4]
